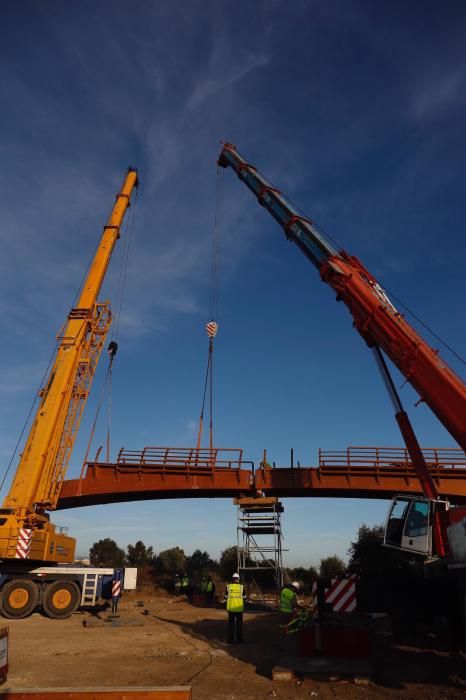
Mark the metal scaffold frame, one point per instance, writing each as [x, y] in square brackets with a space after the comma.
[260, 539]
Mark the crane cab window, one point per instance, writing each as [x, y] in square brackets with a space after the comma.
[418, 519]
[396, 519]
[408, 526]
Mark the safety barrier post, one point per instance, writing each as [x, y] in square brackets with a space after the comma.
[4, 632]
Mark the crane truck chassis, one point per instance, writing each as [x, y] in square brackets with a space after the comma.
[57, 590]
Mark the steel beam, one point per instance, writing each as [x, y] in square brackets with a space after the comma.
[358, 472]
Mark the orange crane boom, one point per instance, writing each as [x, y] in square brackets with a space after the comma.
[25, 529]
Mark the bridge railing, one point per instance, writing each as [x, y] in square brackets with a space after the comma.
[389, 458]
[183, 457]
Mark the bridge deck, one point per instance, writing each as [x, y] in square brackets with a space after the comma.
[156, 473]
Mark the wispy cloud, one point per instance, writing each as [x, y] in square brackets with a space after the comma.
[20, 378]
[358, 118]
[223, 70]
[438, 93]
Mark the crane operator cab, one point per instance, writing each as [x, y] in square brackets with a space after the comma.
[409, 525]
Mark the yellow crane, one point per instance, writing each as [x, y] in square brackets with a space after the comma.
[27, 536]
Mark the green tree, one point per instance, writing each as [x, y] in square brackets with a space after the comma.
[200, 562]
[172, 561]
[303, 575]
[368, 556]
[139, 554]
[106, 553]
[331, 567]
[228, 562]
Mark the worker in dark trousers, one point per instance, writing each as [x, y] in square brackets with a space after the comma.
[210, 588]
[185, 585]
[234, 597]
[289, 607]
[116, 590]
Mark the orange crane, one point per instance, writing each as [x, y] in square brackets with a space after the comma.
[427, 526]
[27, 537]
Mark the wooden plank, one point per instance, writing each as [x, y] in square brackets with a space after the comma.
[248, 501]
[152, 693]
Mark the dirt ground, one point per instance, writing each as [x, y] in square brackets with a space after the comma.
[168, 641]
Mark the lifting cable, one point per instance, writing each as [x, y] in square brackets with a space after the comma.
[113, 345]
[112, 349]
[212, 325]
[121, 286]
[36, 396]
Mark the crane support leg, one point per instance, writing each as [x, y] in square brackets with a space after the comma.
[412, 445]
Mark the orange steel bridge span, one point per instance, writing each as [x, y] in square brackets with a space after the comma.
[169, 472]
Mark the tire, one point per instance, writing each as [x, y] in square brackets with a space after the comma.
[19, 598]
[61, 599]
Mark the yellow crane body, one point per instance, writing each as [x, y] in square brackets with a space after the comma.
[25, 529]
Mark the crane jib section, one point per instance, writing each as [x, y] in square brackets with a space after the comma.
[374, 315]
[296, 227]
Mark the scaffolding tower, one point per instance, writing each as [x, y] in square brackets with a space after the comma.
[260, 542]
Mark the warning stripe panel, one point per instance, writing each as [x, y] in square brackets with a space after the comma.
[346, 601]
[341, 594]
[23, 544]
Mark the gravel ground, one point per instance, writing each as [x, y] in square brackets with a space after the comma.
[168, 641]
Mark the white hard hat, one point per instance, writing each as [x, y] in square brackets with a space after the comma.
[296, 585]
[235, 576]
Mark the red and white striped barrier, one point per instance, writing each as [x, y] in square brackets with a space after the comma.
[3, 654]
[314, 595]
[341, 594]
[116, 589]
[23, 544]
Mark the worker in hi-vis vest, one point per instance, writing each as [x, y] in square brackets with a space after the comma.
[234, 597]
[288, 606]
[289, 599]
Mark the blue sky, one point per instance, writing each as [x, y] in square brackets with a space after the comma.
[355, 110]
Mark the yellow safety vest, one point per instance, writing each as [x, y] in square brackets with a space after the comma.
[286, 600]
[203, 586]
[210, 586]
[235, 601]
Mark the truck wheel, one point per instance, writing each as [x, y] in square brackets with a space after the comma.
[19, 598]
[61, 599]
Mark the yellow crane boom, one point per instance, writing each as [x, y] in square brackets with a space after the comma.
[25, 529]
